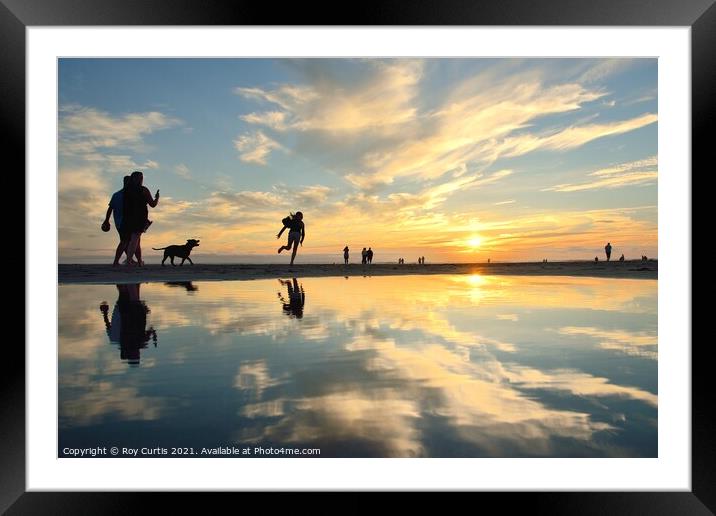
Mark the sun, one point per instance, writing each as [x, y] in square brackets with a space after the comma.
[474, 242]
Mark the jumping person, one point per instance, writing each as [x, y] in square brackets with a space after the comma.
[296, 233]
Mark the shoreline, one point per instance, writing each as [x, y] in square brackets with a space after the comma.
[102, 274]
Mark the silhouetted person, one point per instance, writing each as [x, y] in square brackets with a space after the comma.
[364, 255]
[345, 254]
[116, 208]
[596, 258]
[369, 255]
[621, 258]
[422, 260]
[296, 298]
[608, 250]
[135, 220]
[488, 260]
[296, 233]
[128, 325]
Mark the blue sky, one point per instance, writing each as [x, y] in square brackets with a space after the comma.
[455, 159]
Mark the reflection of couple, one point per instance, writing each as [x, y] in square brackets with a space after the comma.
[127, 327]
[296, 298]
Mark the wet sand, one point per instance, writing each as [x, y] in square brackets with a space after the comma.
[83, 273]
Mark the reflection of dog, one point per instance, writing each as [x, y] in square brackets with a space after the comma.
[182, 251]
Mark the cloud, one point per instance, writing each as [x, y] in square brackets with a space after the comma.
[383, 97]
[626, 174]
[605, 68]
[83, 130]
[641, 344]
[273, 119]
[255, 148]
[182, 170]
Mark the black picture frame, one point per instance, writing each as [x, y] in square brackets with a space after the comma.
[700, 15]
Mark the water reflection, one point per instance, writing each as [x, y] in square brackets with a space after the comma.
[399, 366]
[128, 326]
[187, 285]
[293, 307]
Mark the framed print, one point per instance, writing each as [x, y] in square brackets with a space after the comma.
[470, 206]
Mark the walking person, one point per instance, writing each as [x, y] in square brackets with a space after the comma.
[115, 208]
[608, 250]
[135, 219]
[345, 254]
[296, 233]
[369, 255]
[364, 255]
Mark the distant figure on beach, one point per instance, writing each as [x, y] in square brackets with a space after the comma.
[608, 250]
[296, 233]
[345, 254]
[296, 298]
[116, 207]
[644, 258]
[364, 255]
[135, 219]
[128, 325]
[621, 258]
[488, 260]
[369, 255]
[422, 260]
[596, 258]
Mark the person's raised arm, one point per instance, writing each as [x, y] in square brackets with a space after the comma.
[303, 232]
[281, 232]
[148, 197]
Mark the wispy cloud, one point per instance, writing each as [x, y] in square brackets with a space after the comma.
[633, 173]
[182, 170]
[642, 344]
[255, 148]
[383, 97]
[86, 130]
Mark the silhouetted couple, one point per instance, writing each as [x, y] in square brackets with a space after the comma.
[421, 260]
[131, 217]
[296, 234]
[366, 255]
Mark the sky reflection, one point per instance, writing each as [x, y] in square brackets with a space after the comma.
[405, 366]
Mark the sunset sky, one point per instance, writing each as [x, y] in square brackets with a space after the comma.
[452, 159]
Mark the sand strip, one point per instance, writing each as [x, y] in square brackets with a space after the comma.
[80, 273]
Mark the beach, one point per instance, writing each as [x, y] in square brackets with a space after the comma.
[99, 274]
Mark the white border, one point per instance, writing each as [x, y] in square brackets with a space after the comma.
[671, 471]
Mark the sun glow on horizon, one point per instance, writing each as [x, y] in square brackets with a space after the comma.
[475, 241]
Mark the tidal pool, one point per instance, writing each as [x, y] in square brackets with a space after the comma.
[390, 366]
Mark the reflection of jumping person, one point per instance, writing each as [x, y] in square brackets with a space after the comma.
[128, 325]
[345, 254]
[296, 298]
[296, 233]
